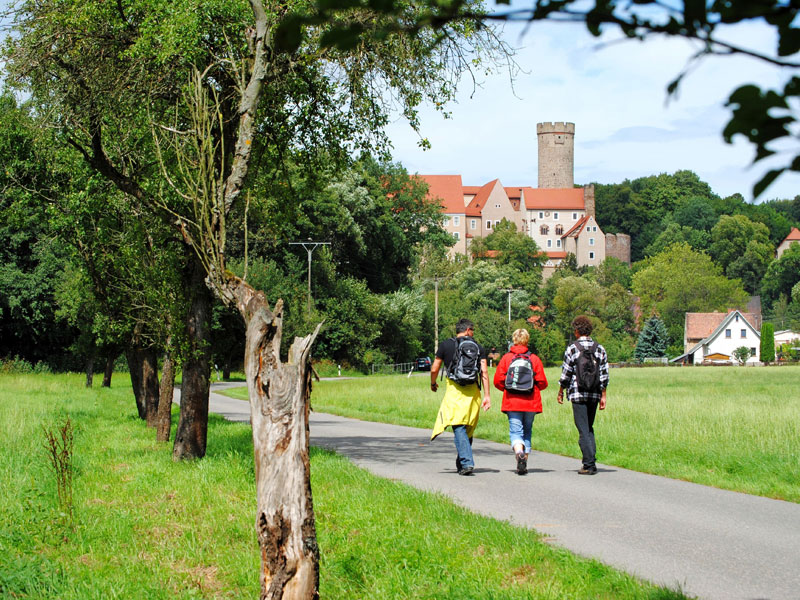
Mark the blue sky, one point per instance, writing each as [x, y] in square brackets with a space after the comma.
[615, 93]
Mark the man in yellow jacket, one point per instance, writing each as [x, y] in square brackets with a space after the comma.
[467, 375]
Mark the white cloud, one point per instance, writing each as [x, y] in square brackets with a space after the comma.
[615, 93]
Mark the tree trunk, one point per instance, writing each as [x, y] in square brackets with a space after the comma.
[90, 371]
[192, 432]
[109, 370]
[279, 410]
[164, 418]
[150, 385]
[135, 369]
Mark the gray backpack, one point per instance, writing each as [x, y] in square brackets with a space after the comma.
[466, 365]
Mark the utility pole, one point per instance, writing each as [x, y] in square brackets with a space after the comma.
[310, 247]
[509, 290]
[435, 314]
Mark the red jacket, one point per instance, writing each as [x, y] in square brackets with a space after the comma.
[513, 401]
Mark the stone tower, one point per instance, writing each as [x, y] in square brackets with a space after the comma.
[556, 154]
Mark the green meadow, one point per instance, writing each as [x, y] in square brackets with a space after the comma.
[736, 428]
[145, 527]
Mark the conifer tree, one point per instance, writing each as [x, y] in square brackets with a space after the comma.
[653, 340]
[767, 342]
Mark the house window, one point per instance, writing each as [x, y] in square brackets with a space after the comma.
[574, 216]
[752, 351]
[728, 333]
[555, 216]
[558, 243]
[497, 206]
[473, 223]
[488, 224]
[591, 241]
[744, 333]
[496, 223]
[591, 255]
[541, 215]
[544, 230]
[737, 318]
[549, 243]
[559, 230]
[447, 221]
[456, 221]
[458, 237]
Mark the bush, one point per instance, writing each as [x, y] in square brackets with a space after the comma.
[18, 365]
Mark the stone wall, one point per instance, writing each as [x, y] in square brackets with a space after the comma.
[619, 246]
[556, 154]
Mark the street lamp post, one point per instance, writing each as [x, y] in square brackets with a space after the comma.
[310, 247]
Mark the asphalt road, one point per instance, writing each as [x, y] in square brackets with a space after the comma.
[711, 543]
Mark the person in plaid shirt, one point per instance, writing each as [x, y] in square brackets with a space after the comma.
[584, 403]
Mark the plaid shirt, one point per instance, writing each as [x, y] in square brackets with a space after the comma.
[569, 381]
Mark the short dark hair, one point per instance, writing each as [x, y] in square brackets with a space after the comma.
[582, 325]
[463, 325]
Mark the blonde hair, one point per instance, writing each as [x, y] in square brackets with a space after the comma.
[521, 337]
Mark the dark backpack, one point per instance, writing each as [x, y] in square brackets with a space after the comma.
[587, 368]
[519, 377]
[465, 367]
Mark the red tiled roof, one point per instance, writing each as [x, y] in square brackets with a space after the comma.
[556, 254]
[563, 198]
[575, 230]
[448, 189]
[477, 204]
[794, 234]
[700, 325]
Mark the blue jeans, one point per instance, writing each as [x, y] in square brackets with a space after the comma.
[520, 425]
[463, 447]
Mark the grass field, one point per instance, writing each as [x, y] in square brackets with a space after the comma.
[145, 527]
[733, 428]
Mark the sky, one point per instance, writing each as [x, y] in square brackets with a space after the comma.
[615, 93]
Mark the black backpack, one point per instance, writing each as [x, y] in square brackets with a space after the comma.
[519, 377]
[587, 368]
[465, 367]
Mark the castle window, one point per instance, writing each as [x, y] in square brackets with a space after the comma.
[574, 216]
[558, 243]
[544, 230]
[591, 241]
[455, 233]
[497, 206]
[473, 223]
[488, 223]
[541, 214]
[549, 243]
[559, 230]
[591, 255]
[456, 221]
[555, 216]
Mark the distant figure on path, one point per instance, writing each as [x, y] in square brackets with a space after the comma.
[467, 375]
[520, 376]
[584, 373]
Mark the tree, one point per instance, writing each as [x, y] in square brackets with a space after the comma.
[653, 340]
[696, 213]
[681, 280]
[782, 274]
[733, 234]
[767, 348]
[674, 233]
[741, 354]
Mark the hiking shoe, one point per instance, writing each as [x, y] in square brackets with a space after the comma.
[466, 470]
[522, 463]
[587, 471]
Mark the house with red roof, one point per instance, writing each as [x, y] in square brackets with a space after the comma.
[558, 216]
[712, 337]
[792, 238]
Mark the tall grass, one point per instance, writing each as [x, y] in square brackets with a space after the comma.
[148, 528]
[733, 428]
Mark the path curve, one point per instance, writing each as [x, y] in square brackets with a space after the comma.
[713, 544]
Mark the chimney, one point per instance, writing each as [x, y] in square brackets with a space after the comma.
[588, 199]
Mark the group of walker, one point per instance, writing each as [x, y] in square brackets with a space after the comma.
[520, 376]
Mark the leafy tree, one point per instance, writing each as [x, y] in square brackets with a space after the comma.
[751, 266]
[696, 213]
[613, 270]
[782, 274]
[653, 340]
[681, 280]
[767, 348]
[741, 354]
[674, 233]
[731, 236]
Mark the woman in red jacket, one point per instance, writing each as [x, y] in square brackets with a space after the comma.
[520, 376]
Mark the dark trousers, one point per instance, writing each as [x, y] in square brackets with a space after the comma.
[584, 413]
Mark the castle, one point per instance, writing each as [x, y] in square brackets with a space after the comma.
[559, 217]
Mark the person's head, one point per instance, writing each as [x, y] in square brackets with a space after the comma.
[465, 326]
[582, 325]
[520, 337]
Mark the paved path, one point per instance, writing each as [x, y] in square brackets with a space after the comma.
[712, 543]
